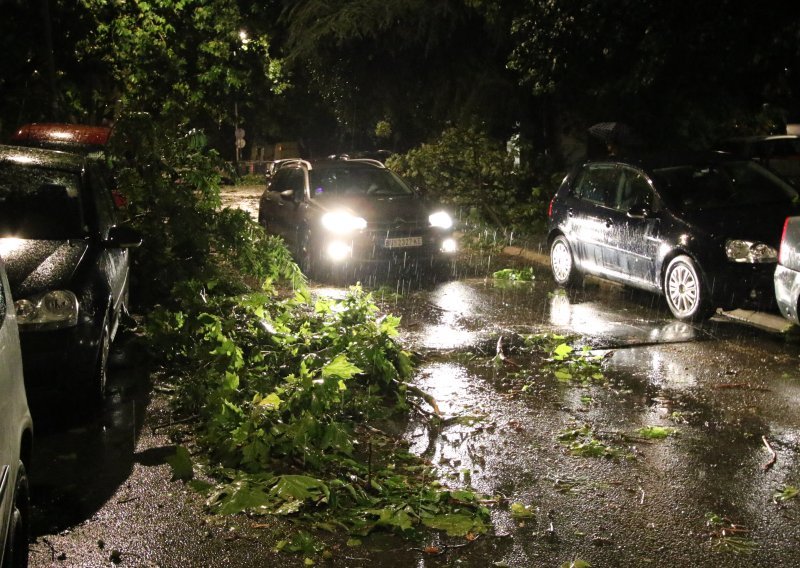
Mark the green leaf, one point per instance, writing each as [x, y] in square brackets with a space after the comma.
[299, 487]
[238, 497]
[521, 511]
[455, 524]
[656, 432]
[271, 402]
[340, 367]
[181, 464]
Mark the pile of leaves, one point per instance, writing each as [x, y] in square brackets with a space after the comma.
[284, 391]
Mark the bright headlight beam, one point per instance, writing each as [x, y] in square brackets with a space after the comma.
[441, 220]
[342, 222]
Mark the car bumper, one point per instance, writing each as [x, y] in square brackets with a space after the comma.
[58, 362]
[787, 292]
[744, 286]
[375, 248]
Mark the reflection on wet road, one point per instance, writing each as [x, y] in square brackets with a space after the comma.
[719, 389]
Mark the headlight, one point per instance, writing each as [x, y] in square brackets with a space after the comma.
[747, 251]
[342, 222]
[440, 219]
[51, 310]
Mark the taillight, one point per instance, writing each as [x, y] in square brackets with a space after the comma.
[784, 247]
[550, 208]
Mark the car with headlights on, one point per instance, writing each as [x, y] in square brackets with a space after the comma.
[16, 433]
[787, 273]
[68, 263]
[348, 212]
[700, 229]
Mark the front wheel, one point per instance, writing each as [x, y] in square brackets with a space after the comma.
[562, 263]
[16, 554]
[685, 291]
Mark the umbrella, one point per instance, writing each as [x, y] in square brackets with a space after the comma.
[614, 133]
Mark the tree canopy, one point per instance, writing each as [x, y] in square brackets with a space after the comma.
[359, 73]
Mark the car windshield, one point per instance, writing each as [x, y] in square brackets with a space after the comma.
[356, 181]
[38, 203]
[721, 185]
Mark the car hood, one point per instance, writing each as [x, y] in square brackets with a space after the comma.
[381, 210]
[763, 222]
[34, 266]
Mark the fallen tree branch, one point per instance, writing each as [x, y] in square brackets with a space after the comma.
[774, 456]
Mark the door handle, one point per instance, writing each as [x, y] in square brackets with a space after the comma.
[609, 223]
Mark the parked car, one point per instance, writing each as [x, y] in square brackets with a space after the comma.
[787, 273]
[701, 229]
[342, 211]
[780, 153]
[68, 266]
[79, 138]
[16, 433]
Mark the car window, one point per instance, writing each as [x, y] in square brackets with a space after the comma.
[716, 186]
[376, 182]
[634, 192]
[40, 203]
[103, 202]
[598, 184]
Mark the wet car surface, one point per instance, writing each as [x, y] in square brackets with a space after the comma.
[700, 229]
[708, 494]
[16, 437]
[787, 273]
[68, 266]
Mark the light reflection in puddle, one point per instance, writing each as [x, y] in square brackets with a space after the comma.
[450, 384]
[457, 301]
[581, 318]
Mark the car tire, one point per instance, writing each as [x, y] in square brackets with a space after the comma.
[16, 553]
[685, 291]
[562, 263]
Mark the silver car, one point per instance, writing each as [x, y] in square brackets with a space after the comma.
[16, 432]
[787, 273]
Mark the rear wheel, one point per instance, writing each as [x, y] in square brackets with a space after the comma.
[562, 263]
[685, 291]
[16, 553]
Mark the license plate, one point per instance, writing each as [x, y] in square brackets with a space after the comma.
[403, 242]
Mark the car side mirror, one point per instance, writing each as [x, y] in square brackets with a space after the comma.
[287, 195]
[123, 237]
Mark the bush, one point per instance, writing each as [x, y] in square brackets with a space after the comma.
[477, 174]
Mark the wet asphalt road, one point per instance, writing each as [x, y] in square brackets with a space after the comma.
[729, 392]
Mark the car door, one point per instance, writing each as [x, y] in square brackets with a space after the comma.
[282, 200]
[13, 407]
[588, 214]
[632, 230]
[113, 261]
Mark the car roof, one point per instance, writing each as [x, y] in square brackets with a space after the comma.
[332, 163]
[42, 157]
[669, 159]
[59, 135]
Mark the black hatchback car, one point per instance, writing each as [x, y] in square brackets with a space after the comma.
[67, 262]
[350, 212]
[701, 229]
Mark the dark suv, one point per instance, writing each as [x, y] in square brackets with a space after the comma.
[701, 229]
[349, 212]
[67, 262]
